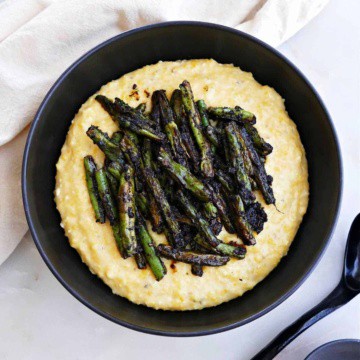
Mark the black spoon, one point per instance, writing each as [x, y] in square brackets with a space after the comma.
[348, 288]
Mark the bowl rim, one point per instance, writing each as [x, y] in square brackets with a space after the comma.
[331, 343]
[72, 291]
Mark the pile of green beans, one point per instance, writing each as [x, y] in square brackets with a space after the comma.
[185, 169]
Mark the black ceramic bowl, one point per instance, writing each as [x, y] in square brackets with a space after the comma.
[148, 45]
[344, 349]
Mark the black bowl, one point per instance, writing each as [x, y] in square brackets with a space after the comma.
[344, 349]
[148, 45]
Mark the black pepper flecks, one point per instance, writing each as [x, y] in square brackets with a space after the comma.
[173, 267]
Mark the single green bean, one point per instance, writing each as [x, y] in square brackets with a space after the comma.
[126, 200]
[191, 258]
[156, 265]
[106, 195]
[194, 121]
[90, 168]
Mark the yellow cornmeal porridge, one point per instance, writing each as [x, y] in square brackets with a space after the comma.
[218, 85]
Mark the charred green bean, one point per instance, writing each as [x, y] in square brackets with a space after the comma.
[106, 195]
[191, 258]
[194, 121]
[90, 169]
[126, 200]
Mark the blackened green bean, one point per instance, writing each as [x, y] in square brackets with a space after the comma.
[237, 163]
[181, 174]
[176, 237]
[106, 195]
[171, 129]
[102, 140]
[156, 265]
[194, 121]
[260, 175]
[192, 258]
[125, 121]
[262, 147]
[90, 168]
[126, 200]
[232, 114]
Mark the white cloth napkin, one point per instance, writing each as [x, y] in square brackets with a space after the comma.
[39, 39]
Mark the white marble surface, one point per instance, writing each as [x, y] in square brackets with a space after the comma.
[39, 319]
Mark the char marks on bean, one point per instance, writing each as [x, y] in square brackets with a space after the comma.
[187, 169]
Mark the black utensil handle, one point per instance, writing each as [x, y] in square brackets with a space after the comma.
[338, 297]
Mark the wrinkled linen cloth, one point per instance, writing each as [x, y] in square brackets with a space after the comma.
[39, 39]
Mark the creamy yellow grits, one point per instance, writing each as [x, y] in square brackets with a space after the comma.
[218, 85]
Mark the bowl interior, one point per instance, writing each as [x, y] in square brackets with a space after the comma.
[173, 41]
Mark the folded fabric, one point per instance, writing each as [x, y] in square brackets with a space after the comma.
[39, 39]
